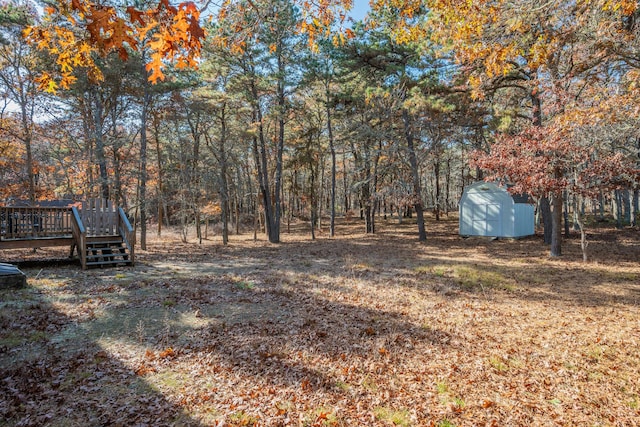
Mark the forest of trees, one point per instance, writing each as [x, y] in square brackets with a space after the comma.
[294, 114]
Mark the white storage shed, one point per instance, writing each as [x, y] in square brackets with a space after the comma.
[487, 209]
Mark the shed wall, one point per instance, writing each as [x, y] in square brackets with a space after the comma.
[489, 210]
[524, 222]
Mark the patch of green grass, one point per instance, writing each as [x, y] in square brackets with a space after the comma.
[422, 269]
[396, 417]
[625, 276]
[426, 327]
[370, 384]
[469, 277]
[595, 353]
[83, 375]
[245, 285]
[17, 299]
[442, 387]
[361, 266]
[445, 423]
[459, 403]
[436, 270]
[342, 386]
[284, 406]
[13, 339]
[169, 302]
[37, 336]
[169, 380]
[498, 364]
[634, 403]
[594, 376]
[46, 282]
[440, 271]
[472, 278]
[515, 362]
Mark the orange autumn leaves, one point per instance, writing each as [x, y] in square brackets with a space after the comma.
[76, 32]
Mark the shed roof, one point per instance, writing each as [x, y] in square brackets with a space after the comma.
[491, 187]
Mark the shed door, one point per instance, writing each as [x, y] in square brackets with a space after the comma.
[493, 220]
[486, 219]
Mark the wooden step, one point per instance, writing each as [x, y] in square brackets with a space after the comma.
[124, 256]
[103, 239]
[104, 244]
[105, 263]
[107, 252]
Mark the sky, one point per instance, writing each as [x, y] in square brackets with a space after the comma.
[359, 10]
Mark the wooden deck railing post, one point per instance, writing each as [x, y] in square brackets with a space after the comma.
[80, 235]
[126, 231]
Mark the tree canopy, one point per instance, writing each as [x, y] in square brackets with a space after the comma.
[286, 108]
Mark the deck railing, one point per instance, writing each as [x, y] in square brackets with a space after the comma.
[34, 227]
[34, 222]
[99, 217]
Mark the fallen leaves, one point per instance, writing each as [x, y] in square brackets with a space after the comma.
[301, 345]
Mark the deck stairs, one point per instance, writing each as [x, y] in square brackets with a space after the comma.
[105, 242]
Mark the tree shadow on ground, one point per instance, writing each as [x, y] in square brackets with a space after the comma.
[283, 316]
[44, 382]
[522, 265]
[271, 332]
[267, 330]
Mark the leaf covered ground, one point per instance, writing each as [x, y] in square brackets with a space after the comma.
[352, 331]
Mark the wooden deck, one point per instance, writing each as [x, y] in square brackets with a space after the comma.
[99, 231]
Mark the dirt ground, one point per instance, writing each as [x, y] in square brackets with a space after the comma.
[356, 330]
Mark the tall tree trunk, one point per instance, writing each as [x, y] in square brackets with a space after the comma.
[413, 161]
[547, 223]
[374, 198]
[634, 207]
[626, 203]
[313, 203]
[556, 224]
[345, 187]
[146, 97]
[583, 233]
[160, 188]
[447, 186]
[617, 195]
[332, 148]
[566, 214]
[436, 186]
[274, 236]
[545, 205]
[260, 159]
[635, 193]
[365, 195]
[224, 184]
[320, 201]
